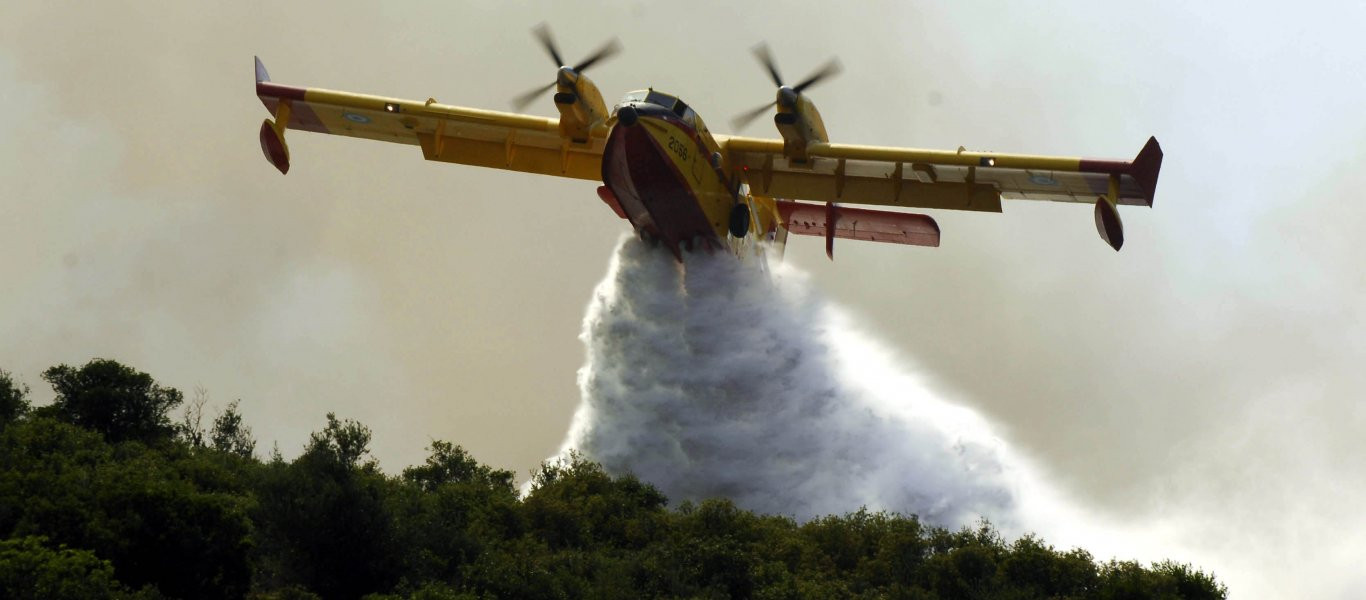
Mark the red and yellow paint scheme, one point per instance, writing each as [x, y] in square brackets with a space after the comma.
[680, 185]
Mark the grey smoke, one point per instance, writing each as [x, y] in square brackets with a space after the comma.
[723, 380]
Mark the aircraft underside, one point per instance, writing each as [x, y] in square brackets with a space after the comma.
[662, 180]
[661, 187]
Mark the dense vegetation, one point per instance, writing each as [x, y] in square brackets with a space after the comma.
[102, 495]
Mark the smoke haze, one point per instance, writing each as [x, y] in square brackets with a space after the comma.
[1201, 390]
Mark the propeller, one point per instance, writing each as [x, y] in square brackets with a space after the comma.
[542, 33]
[787, 96]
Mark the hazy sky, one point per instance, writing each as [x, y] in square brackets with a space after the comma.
[1207, 375]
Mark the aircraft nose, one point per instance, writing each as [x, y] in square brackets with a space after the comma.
[627, 115]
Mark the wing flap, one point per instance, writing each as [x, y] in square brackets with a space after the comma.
[566, 160]
[859, 224]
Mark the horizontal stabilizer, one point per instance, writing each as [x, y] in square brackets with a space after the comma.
[859, 224]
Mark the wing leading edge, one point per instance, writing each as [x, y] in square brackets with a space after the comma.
[936, 179]
[446, 133]
[919, 178]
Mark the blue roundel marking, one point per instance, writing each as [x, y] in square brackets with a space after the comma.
[1042, 180]
[355, 118]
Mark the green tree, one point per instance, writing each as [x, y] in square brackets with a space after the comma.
[162, 527]
[118, 401]
[1033, 566]
[163, 517]
[341, 443]
[13, 399]
[451, 511]
[99, 494]
[720, 548]
[326, 518]
[575, 503]
[191, 426]
[229, 434]
[47, 480]
[1128, 580]
[29, 570]
[1190, 582]
[450, 464]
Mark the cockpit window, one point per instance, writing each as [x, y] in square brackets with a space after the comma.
[670, 103]
[661, 99]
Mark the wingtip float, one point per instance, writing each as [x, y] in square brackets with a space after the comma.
[680, 185]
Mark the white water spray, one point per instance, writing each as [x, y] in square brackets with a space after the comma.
[719, 380]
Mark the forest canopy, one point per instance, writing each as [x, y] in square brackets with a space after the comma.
[105, 493]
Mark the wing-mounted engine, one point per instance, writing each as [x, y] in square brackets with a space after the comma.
[800, 127]
[797, 119]
[576, 97]
[580, 105]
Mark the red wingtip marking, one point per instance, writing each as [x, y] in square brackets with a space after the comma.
[1146, 167]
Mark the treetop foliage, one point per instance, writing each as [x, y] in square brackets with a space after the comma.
[13, 399]
[118, 401]
[101, 497]
[231, 435]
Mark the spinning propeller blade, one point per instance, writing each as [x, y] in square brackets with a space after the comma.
[526, 99]
[830, 69]
[787, 96]
[542, 33]
[766, 58]
[606, 51]
[744, 119]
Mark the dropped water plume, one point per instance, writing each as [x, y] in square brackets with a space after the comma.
[720, 379]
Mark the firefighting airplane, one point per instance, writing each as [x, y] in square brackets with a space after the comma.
[682, 186]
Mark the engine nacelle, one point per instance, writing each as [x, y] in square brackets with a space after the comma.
[799, 123]
[580, 105]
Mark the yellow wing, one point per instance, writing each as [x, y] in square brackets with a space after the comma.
[446, 133]
[959, 180]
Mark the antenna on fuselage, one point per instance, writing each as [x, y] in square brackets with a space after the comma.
[787, 96]
[567, 75]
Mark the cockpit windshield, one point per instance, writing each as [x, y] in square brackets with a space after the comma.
[672, 103]
[636, 96]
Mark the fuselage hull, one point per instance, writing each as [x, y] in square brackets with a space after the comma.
[665, 179]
